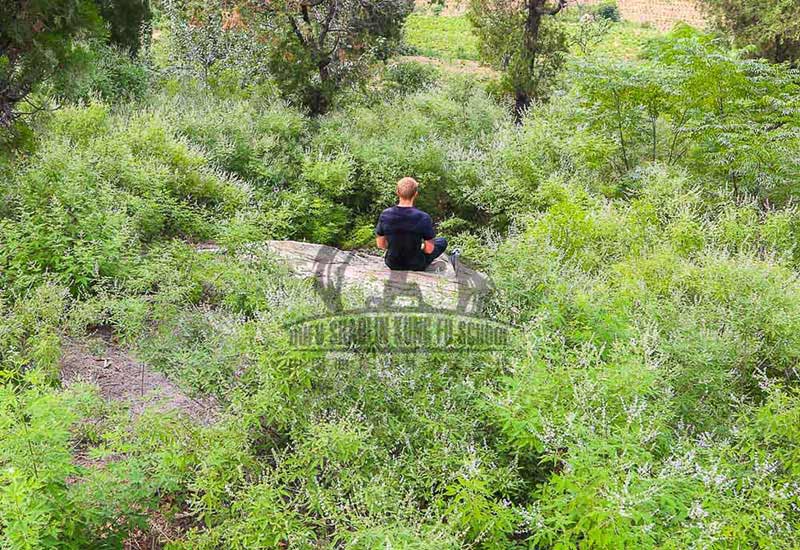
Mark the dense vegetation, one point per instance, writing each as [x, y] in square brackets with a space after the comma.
[640, 229]
[770, 28]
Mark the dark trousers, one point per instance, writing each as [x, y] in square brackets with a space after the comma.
[439, 246]
[420, 263]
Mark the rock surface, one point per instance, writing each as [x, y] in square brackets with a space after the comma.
[336, 271]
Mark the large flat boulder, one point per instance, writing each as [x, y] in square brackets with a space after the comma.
[337, 271]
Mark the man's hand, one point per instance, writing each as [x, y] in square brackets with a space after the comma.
[428, 247]
[382, 242]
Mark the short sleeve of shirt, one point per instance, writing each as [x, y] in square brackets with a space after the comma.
[379, 231]
[427, 229]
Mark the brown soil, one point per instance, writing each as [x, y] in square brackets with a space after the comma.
[120, 377]
[161, 531]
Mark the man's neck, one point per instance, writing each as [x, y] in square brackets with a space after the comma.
[405, 204]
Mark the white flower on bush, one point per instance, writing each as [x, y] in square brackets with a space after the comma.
[696, 512]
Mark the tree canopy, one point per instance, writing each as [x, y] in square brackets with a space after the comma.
[771, 26]
[36, 38]
[524, 41]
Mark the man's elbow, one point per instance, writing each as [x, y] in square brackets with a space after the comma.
[381, 243]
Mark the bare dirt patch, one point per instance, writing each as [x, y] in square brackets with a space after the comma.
[121, 377]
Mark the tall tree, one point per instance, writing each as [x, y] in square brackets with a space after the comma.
[208, 37]
[773, 26]
[316, 46]
[36, 38]
[128, 21]
[522, 40]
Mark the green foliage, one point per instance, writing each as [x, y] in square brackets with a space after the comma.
[425, 134]
[102, 71]
[441, 37]
[260, 142]
[37, 39]
[145, 184]
[589, 32]
[732, 120]
[608, 10]
[601, 274]
[526, 43]
[128, 21]
[319, 48]
[648, 398]
[46, 499]
[411, 77]
[29, 338]
[771, 27]
[206, 42]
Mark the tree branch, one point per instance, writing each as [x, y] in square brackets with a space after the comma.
[304, 11]
[541, 9]
[296, 30]
[328, 21]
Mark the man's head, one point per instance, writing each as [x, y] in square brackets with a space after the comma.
[407, 189]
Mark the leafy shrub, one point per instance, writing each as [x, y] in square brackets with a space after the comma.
[29, 339]
[105, 72]
[145, 185]
[411, 77]
[261, 143]
[45, 498]
[607, 10]
[647, 399]
[674, 108]
[426, 136]
[53, 218]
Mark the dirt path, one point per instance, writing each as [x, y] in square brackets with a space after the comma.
[121, 377]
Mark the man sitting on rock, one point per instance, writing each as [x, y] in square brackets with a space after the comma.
[406, 233]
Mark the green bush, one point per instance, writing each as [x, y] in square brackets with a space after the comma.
[429, 135]
[647, 398]
[607, 9]
[261, 143]
[673, 108]
[105, 72]
[29, 340]
[411, 77]
[144, 183]
[46, 499]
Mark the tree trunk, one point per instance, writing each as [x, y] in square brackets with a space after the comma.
[319, 100]
[522, 101]
[530, 38]
[532, 24]
[779, 49]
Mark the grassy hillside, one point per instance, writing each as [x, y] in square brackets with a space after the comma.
[450, 37]
[441, 37]
[640, 230]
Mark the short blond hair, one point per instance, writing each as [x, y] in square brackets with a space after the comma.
[407, 188]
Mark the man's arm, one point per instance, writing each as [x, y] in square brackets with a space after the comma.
[428, 235]
[380, 236]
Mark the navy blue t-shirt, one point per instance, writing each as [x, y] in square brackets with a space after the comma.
[405, 227]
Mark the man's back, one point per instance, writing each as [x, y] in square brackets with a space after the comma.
[405, 227]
